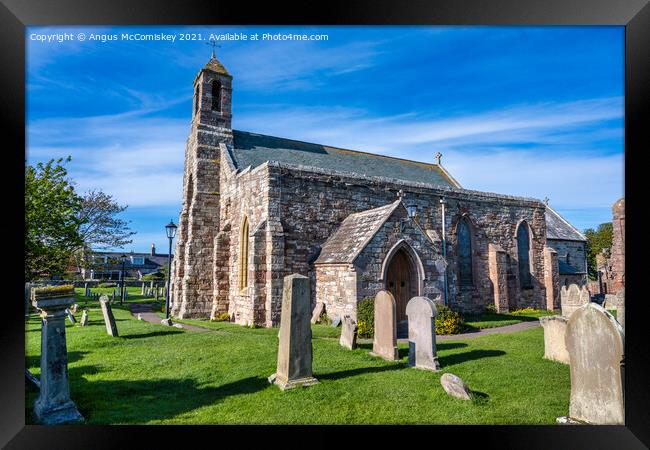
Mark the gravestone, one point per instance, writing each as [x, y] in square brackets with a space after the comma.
[53, 405]
[84, 318]
[86, 290]
[385, 340]
[554, 338]
[421, 313]
[455, 386]
[294, 349]
[348, 333]
[109, 320]
[318, 310]
[140, 316]
[74, 308]
[572, 298]
[336, 321]
[157, 293]
[142, 290]
[595, 340]
[70, 317]
[113, 297]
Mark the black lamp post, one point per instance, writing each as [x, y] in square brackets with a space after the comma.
[170, 229]
[122, 290]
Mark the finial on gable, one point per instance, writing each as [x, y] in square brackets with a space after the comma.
[438, 157]
[546, 200]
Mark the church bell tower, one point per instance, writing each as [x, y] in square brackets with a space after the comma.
[211, 126]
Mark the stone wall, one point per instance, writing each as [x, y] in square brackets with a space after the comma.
[337, 289]
[617, 258]
[577, 258]
[312, 203]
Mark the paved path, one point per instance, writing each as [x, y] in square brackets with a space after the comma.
[497, 330]
[144, 309]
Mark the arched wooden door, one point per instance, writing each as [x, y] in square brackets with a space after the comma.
[401, 281]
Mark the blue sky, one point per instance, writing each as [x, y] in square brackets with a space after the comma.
[531, 111]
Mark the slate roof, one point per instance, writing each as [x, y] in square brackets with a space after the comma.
[558, 228]
[345, 244]
[252, 149]
[567, 269]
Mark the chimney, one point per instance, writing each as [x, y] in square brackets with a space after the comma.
[153, 250]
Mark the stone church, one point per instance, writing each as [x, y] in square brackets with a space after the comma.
[257, 208]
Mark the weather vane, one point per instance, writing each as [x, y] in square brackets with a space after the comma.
[214, 44]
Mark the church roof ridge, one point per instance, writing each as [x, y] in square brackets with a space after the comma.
[555, 230]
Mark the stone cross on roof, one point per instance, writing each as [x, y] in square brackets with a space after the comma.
[438, 157]
[546, 200]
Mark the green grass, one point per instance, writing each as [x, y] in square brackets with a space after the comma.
[154, 374]
[134, 297]
[492, 320]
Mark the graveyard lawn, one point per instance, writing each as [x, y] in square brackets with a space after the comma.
[152, 374]
[493, 320]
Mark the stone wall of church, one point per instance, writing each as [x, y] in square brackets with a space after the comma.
[311, 204]
[337, 289]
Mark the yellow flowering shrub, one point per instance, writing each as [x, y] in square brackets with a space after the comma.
[448, 321]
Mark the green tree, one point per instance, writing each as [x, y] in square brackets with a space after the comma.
[597, 240]
[51, 219]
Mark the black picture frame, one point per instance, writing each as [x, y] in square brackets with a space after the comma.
[15, 15]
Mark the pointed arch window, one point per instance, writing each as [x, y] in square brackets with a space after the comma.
[465, 273]
[216, 95]
[523, 254]
[243, 254]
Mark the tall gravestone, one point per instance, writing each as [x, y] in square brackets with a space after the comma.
[554, 338]
[348, 333]
[421, 312]
[109, 320]
[595, 342]
[572, 298]
[385, 340]
[84, 318]
[295, 349]
[142, 290]
[53, 405]
[28, 296]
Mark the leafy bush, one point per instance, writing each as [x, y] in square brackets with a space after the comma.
[324, 319]
[366, 318]
[223, 317]
[107, 285]
[525, 311]
[490, 309]
[448, 321]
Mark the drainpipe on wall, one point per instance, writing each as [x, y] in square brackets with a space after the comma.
[444, 248]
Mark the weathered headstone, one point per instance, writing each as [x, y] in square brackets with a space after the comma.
[294, 349]
[74, 308]
[109, 320]
[53, 405]
[385, 340]
[70, 317]
[572, 298]
[142, 290]
[113, 296]
[318, 310]
[348, 333]
[336, 321]
[84, 318]
[86, 290]
[421, 312]
[595, 340]
[554, 338]
[455, 386]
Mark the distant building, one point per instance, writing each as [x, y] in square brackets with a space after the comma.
[108, 265]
